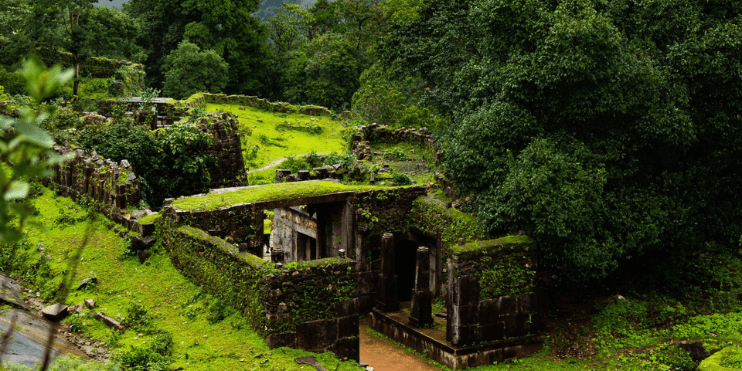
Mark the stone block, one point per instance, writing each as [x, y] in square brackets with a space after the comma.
[464, 315]
[346, 308]
[507, 305]
[347, 326]
[317, 336]
[466, 290]
[516, 325]
[281, 340]
[347, 348]
[461, 335]
[494, 331]
[489, 311]
[525, 303]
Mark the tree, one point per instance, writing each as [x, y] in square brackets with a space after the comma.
[189, 70]
[227, 27]
[324, 72]
[609, 130]
[109, 32]
[57, 24]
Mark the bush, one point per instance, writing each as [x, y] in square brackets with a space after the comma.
[154, 357]
[170, 163]
[402, 179]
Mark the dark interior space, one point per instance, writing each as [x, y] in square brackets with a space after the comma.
[405, 253]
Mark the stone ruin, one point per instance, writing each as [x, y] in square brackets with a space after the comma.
[359, 242]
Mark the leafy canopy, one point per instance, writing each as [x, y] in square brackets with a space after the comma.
[607, 129]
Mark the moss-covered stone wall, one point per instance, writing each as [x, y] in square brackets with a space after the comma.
[110, 186]
[429, 216]
[309, 305]
[491, 292]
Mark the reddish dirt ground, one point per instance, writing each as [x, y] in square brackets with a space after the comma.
[385, 356]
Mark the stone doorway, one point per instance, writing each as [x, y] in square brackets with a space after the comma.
[404, 268]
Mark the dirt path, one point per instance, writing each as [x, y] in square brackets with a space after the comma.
[272, 164]
[384, 356]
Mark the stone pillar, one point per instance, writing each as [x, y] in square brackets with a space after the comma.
[361, 252]
[421, 310]
[388, 301]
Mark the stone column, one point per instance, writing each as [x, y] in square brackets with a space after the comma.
[388, 301]
[421, 310]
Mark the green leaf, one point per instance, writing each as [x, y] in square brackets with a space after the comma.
[17, 189]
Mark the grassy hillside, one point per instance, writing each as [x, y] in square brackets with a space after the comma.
[153, 297]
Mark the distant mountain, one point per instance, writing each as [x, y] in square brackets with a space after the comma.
[269, 8]
[111, 4]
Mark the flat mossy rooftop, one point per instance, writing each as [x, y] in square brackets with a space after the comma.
[266, 193]
[483, 246]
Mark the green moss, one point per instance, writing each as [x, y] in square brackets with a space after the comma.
[490, 246]
[270, 192]
[429, 216]
[280, 143]
[225, 247]
[150, 219]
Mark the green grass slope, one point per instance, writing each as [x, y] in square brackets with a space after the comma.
[206, 336]
[279, 135]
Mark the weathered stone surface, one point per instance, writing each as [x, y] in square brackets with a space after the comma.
[143, 256]
[90, 303]
[347, 348]
[55, 312]
[346, 308]
[696, 350]
[348, 326]
[110, 322]
[316, 336]
[310, 361]
[10, 293]
[466, 291]
[141, 243]
[281, 340]
[87, 281]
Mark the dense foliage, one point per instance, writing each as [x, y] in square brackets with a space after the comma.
[607, 129]
[168, 162]
[188, 70]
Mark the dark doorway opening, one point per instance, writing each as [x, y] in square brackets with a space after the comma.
[405, 259]
[306, 247]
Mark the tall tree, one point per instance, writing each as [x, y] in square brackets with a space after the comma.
[57, 24]
[188, 70]
[227, 27]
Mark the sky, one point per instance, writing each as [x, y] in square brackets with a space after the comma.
[111, 4]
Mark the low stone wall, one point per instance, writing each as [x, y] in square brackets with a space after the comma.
[112, 186]
[491, 286]
[367, 134]
[308, 306]
[256, 102]
[318, 173]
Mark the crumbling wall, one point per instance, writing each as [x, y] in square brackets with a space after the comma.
[491, 291]
[376, 213]
[367, 134]
[111, 186]
[226, 149]
[308, 306]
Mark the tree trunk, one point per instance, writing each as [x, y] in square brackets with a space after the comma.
[76, 82]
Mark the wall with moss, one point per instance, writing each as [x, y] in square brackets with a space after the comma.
[491, 293]
[429, 216]
[310, 305]
[109, 186]
[385, 211]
